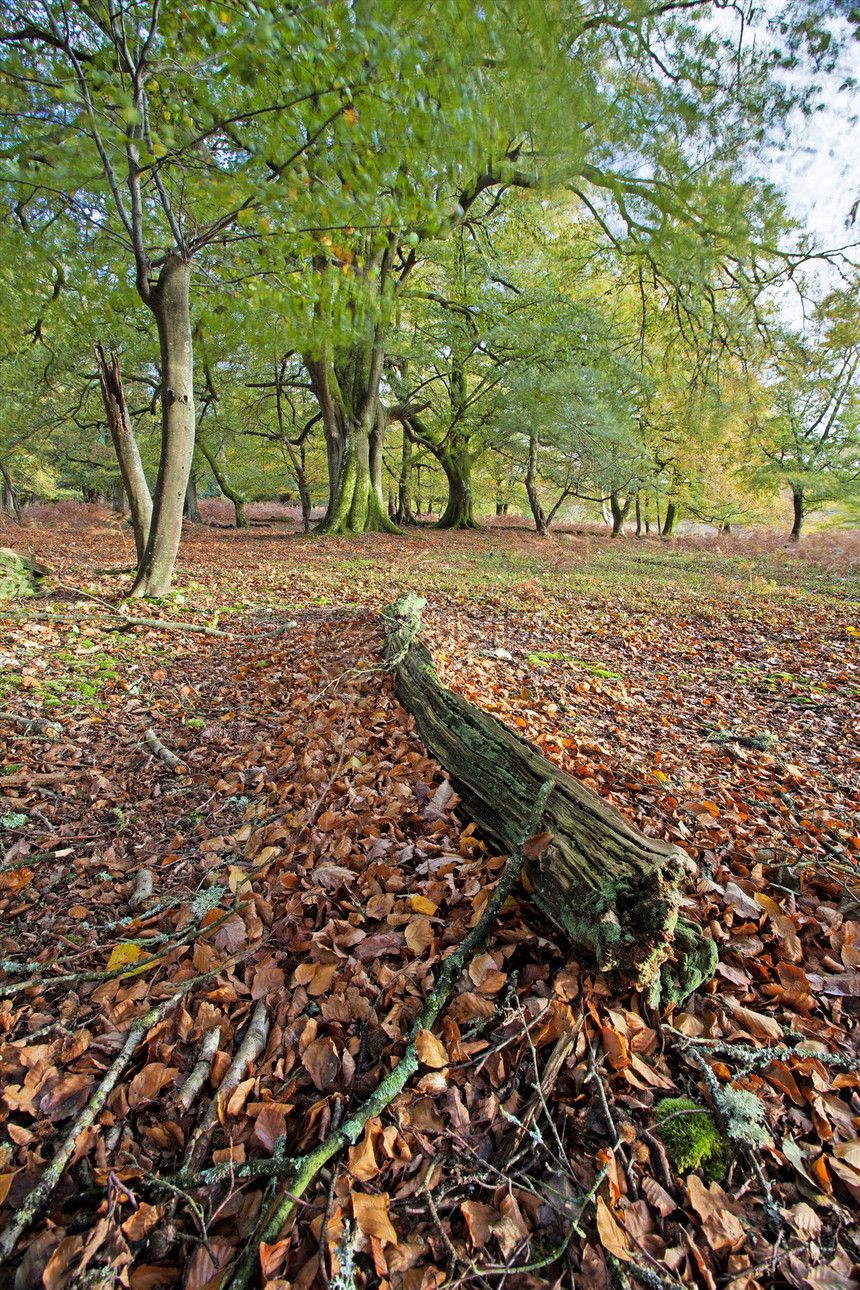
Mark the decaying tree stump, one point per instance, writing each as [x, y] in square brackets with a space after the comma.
[611, 889]
[20, 573]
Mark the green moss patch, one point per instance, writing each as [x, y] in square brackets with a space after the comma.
[692, 1139]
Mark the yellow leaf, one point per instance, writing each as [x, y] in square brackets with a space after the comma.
[421, 905]
[124, 954]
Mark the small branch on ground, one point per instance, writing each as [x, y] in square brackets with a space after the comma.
[303, 1171]
[119, 622]
[157, 748]
[192, 1086]
[251, 1047]
[142, 889]
[30, 1206]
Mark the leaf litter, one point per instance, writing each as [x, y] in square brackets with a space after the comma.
[309, 874]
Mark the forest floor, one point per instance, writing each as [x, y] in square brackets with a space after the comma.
[309, 875]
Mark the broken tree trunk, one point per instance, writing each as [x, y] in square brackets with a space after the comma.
[610, 888]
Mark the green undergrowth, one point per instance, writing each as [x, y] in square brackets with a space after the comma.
[692, 1139]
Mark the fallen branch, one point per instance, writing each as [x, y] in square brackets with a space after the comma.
[604, 883]
[118, 622]
[157, 748]
[40, 725]
[249, 1050]
[28, 1209]
[142, 888]
[192, 1086]
[42, 981]
[302, 1172]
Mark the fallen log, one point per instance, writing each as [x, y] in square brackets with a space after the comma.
[611, 890]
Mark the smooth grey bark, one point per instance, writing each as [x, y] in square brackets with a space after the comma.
[125, 446]
[169, 302]
[192, 510]
[538, 512]
[117, 496]
[669, 522]
[9, 498]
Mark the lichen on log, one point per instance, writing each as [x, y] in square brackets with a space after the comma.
[612, 890]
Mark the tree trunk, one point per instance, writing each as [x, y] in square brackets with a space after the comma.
[302, 485]
[610, 888]
[169, 302]
[457, 465]
[223, 482]
[192, 510]
[797, 503]
[10, 500]
[355, 504]
[353, 424]
[403, 512]
[606, 512]
[117, 496]
[125, 446]
[638, 517]
[538, 512]
[619, 511]
[669, 522]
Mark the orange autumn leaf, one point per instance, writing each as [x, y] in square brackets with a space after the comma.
[431, 1051]
[371, 1215]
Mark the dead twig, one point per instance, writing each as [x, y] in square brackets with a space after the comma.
[119, 622]
[157, 748]
[249, 1050]
[28, 1209]
[305, 1170]
[142, 888]
[194, 1083]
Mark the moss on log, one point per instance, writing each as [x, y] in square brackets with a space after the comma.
[611, 889]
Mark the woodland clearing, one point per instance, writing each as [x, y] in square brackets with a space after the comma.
[309, 874]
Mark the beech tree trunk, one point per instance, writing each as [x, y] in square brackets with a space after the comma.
[9, 498]
[223, 482]
[610, 888]
[456, 461]
[125, 446]
[117, 496]
[192, 510]
[169, 302]
[541, 523]
[403, 511]
[619, 510]
[669, 522]
[348, 396]
[797, 504]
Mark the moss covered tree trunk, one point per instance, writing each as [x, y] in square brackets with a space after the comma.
[610, 888]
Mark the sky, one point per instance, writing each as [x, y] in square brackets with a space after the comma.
[819, 170]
